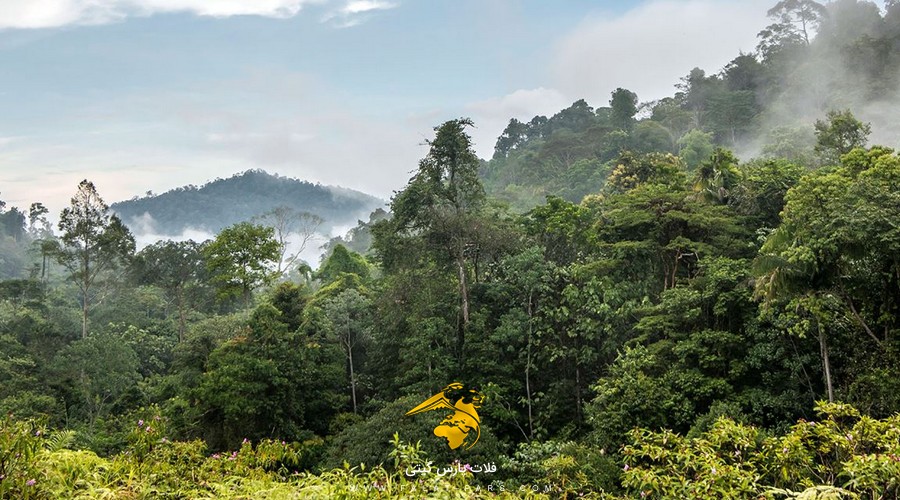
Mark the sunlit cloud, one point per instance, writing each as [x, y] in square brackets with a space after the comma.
[355, 12]
[54, 13]
[360, 6]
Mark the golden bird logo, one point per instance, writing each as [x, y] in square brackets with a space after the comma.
[458, 426]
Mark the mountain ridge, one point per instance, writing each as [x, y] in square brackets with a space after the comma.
[222, 202]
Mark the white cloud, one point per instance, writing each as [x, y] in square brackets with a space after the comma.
[648, 49]
[360, 6]
[54, 13]
[356, 12]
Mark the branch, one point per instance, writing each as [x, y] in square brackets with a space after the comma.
[856, 314]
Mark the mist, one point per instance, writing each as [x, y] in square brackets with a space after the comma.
[144, 229]
[845, 66]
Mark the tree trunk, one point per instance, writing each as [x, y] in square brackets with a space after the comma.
[464, 309]
[352, 375]
[84, 316]
[180, 314]
[85, 306]
[578, 418]
[825, 362]
[528, 370]
[577, 392]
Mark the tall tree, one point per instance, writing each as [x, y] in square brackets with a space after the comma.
[800, 16]
[624, 106]
[717, 177]
[835, 253]
[839, 134]
[241, 258]
[349, 323]
[38, 225]
[289, 223]
[174, 266]
[440, 204]
[93, 242]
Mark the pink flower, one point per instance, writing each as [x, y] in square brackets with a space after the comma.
[30, 482]
[149, 429]
[141, 423]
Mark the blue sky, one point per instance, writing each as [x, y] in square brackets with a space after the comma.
[141, 95]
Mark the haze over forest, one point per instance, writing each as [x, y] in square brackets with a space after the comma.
[630, 289]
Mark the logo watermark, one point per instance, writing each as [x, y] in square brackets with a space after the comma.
[458, 426]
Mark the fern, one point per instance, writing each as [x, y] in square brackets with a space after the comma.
[59, 440]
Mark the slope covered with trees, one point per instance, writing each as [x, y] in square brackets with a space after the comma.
[811, 60]
[223, 202]
[691, 326]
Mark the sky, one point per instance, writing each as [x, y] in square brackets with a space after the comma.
[149, 95]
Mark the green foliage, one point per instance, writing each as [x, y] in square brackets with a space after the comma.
[573, 469]
[631, 395]
[842, 454]
[717, 176]
[695, 147]
[341, 261]
[623, 104]
[95, 374]
[268, 382]
[761, 190]
[632, 171]
[790, 143]
[241, 258]
[839, 134]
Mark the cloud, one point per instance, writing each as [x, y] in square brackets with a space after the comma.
[360, 6]
[54, 13]
[648, 49]
[356, 12]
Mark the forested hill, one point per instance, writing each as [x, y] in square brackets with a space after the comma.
[814, 58]
[223, 202]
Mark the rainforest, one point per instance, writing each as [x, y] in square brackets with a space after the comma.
[691, 297]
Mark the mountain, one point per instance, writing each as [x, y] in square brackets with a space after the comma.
[223, 202]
